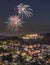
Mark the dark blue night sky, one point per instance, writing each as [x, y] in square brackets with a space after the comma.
[38, 23]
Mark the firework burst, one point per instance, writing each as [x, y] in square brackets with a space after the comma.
[14, 23]
[24, 10]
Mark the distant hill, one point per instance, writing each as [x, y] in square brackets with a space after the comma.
[45, 40]
[9, 37]
[47, 37]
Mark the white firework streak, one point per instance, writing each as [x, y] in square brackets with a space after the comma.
[14, 23]
[24, 10]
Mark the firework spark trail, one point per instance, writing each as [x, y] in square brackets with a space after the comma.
[24, 9]
[14, 23]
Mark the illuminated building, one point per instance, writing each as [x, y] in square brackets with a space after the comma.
[32, 36]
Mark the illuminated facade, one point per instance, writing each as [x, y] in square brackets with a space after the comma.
[32, 36]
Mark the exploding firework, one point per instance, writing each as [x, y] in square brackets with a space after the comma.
[14, 23]
[24, 10]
